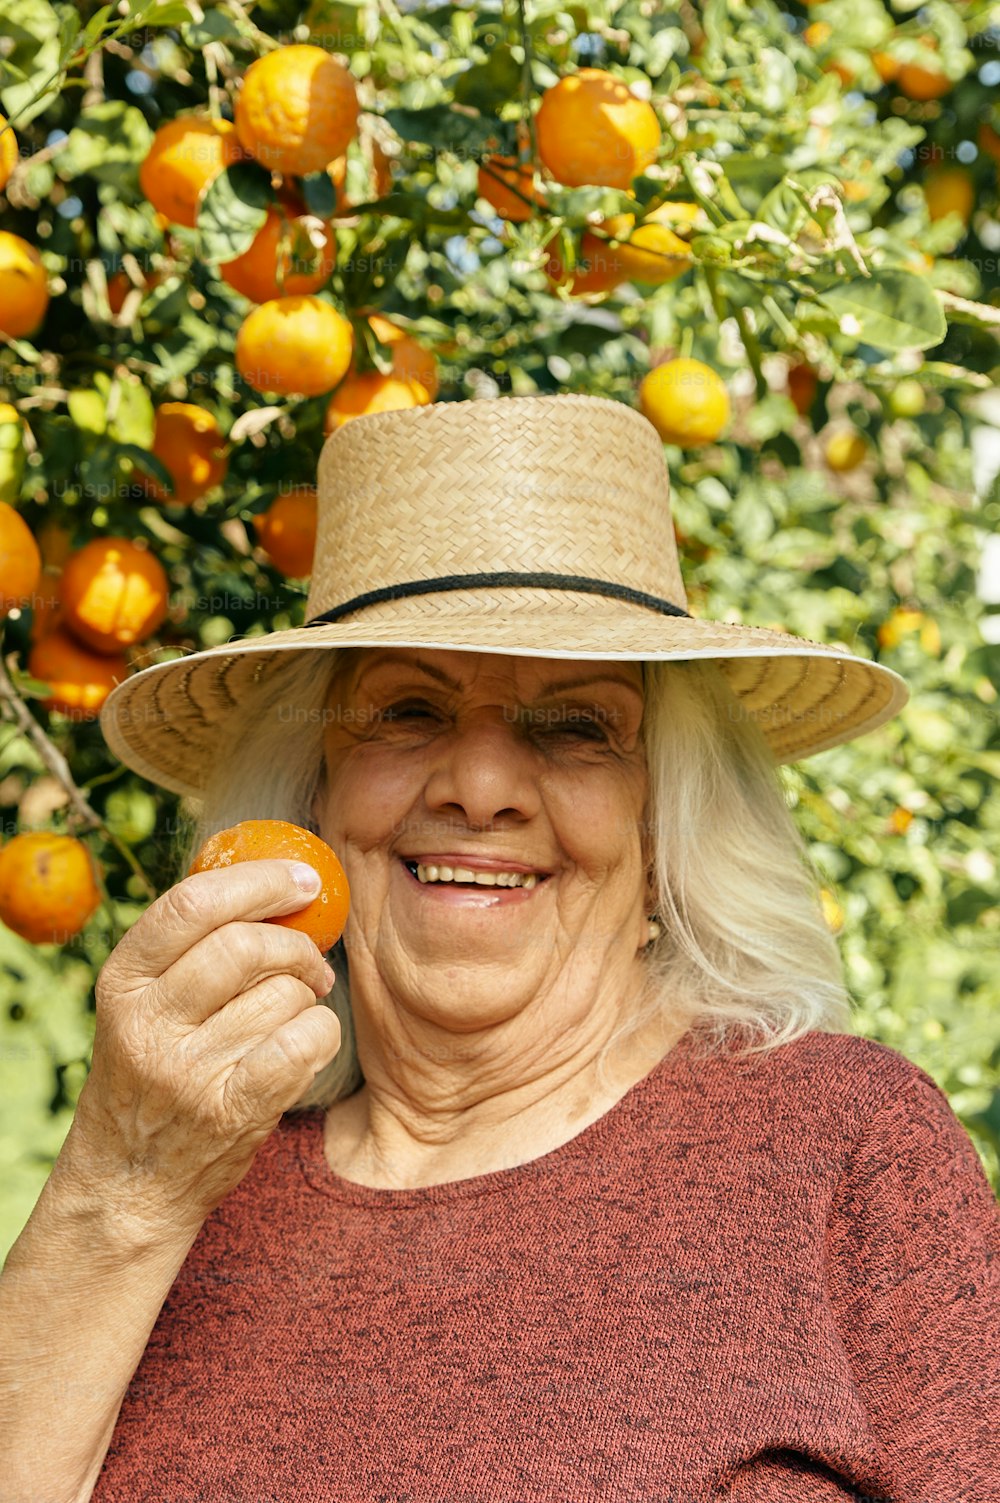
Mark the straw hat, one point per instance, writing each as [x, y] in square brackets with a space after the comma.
[524, 525]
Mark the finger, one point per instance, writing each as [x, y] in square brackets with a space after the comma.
[247, 1021]
[197, 905]
[283, 1066]
[230, 961]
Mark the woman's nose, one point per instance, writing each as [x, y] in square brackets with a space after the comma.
[486, 769]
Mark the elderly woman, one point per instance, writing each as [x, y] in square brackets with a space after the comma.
[576, 1185]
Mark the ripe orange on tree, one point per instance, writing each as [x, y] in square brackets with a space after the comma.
[189, 442]
[949, 190]
[120, 284]
[8, 151]
[363, 392]
[294, 346]
[591, 128]
[324, 917]
[922, 83]
[411, 361]
[900, 623]
[845, 450]
[509, 187]
[297, 110]
[20, 560]
[80, 680]
[287, 531]
[284, 248]
[802, 382]
[186, 154]
[886, 66]
[598, 266]
[113, 594]
[686, 401]
[988, 141]
[48, 886]
[24, 288]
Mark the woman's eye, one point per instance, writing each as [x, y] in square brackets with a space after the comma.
[585, 726]
[408, 710]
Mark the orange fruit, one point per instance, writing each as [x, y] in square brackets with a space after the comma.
[324, 917]
[900, 820]
[845, 450]
[185, 155]
[591, 128]
[294, 345]
[411, 361]
[48, 886]
[921, 83]
[652, 253]
[903, 621]
[989, 141]
[802, 382]
[8, 151]
[188, 440]
[686, 401]
[886, 66]
[506, 184]
[381, 172]
[949, 190]
[817, 33]
[287, 531]
[24, 288]
[297, 110]
[599, 265]
[80, 680]
[362, 392]
[284, 243]
[120, 284]
[113, 594]
[20, 561]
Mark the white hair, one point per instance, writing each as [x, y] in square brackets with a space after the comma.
[745, 957]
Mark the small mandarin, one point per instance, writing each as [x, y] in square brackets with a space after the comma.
[294, 346]
[686, 401]
[323, 918]
[113, 594]
[189, 443]
[80, 680]
[297, 110]
[48, 886]
[187, 153]
[592, 129]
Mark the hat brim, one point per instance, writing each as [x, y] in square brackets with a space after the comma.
[167, 720]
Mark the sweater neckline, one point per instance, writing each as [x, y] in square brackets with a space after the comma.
[321, 1178]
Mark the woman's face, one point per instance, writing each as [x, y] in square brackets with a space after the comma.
[459, 760]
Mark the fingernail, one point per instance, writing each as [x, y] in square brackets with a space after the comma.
[306, 877]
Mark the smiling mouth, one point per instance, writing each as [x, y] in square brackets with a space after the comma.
[458, 876]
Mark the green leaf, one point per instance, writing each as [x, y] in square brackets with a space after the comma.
[233, 209]
[443, 127]
[148, 463]
[895, 310]
[106, 142]
[320, 194]
[94, 27]
[486, 86]
[31, 60]
[86, 408]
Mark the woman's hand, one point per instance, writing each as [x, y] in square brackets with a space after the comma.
[207, 1031]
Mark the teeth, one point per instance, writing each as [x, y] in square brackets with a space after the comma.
[431, 873]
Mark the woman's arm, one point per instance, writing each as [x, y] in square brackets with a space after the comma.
[79, 1295]
[914, 1280]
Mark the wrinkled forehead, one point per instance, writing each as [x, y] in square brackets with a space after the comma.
[461, 671]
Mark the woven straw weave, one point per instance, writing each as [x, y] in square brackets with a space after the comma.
[574, 485]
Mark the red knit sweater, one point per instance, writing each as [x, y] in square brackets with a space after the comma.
[770, 1280]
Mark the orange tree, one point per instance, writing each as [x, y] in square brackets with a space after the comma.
[228, 229]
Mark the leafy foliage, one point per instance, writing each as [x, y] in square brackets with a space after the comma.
[815, 247]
